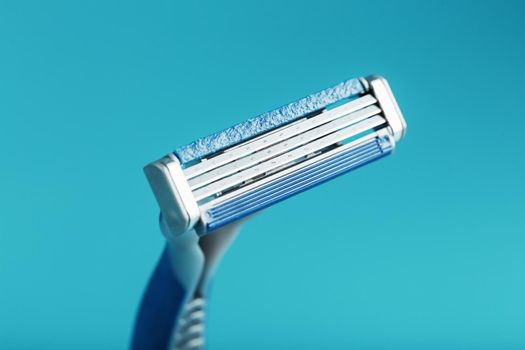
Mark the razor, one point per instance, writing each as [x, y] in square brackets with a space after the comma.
[207, 188]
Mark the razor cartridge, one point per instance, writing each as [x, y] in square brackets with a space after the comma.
[239, 171]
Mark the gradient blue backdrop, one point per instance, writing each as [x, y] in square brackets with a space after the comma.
[423, 250]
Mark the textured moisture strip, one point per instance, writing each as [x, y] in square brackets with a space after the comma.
[267, 121]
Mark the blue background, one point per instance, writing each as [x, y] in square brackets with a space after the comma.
[422, 250]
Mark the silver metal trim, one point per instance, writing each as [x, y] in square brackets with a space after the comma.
[286, 158]
[276, 136]
[173, 194]
[381, 90]
[313, 128]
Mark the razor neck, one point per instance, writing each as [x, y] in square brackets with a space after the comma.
[172, 313]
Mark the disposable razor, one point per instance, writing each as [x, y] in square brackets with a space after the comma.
[207, 188]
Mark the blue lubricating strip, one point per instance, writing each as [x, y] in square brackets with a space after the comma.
[287, 186]
[267, 121]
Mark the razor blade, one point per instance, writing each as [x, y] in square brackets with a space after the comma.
[239, 171]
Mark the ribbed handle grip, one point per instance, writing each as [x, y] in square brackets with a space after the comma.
[190, 329]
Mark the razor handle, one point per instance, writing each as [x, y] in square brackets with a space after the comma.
[173, 309]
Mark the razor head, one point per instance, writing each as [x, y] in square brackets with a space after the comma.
[234, 173]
